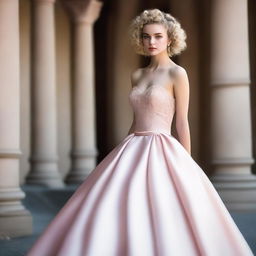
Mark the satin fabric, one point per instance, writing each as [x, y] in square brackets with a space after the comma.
[147, 197]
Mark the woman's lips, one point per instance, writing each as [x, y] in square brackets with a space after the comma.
[152, 48]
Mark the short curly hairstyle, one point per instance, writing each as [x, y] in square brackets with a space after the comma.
[174, 31]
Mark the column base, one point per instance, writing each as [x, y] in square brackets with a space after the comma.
[48, 179]
[15, 220]
[238, 191]
[83, 163]
[16, 224]
[77, 176]
[44, 171]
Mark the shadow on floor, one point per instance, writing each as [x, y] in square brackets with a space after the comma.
[44, 203]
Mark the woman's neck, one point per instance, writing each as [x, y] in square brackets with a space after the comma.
[161, 60]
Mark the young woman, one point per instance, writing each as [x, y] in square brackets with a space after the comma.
[148, 197]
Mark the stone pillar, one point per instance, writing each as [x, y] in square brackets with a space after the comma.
[231, 137]
[15, 220]
[44, 167]
[84, 151]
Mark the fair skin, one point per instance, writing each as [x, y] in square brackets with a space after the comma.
[163, 70]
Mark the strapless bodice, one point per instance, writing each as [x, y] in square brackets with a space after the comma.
[153, 108]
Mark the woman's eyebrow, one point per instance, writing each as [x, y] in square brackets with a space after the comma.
[144, 33]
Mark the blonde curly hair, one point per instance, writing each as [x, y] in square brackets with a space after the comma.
[176, 34]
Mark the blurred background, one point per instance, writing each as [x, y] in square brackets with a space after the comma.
[65, 80]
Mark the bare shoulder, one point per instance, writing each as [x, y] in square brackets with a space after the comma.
[179, 76]
[136, 75]
[177, 72]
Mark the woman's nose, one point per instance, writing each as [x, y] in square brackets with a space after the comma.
[152, 40]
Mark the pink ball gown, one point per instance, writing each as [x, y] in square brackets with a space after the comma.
[147, 197]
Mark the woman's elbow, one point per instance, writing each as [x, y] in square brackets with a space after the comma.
[182, 124]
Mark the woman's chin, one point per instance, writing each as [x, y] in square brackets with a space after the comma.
[155, 52]
[152, 53]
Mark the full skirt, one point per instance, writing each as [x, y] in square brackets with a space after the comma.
[147, 197]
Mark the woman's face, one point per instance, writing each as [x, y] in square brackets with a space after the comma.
[154, 39]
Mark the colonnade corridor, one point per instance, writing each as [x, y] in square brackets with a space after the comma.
[64, 105]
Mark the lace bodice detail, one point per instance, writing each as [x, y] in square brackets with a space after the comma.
[153, 108]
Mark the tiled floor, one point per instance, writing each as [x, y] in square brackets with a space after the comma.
[45, 203]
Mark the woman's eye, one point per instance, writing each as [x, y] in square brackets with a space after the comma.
[158, 36]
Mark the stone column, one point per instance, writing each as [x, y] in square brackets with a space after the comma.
[230, 106]
[15, 220]
[84, 151]
[44, 167]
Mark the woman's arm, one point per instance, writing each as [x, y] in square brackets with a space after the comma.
[135, 76]
[181, 91]
[131, 130]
